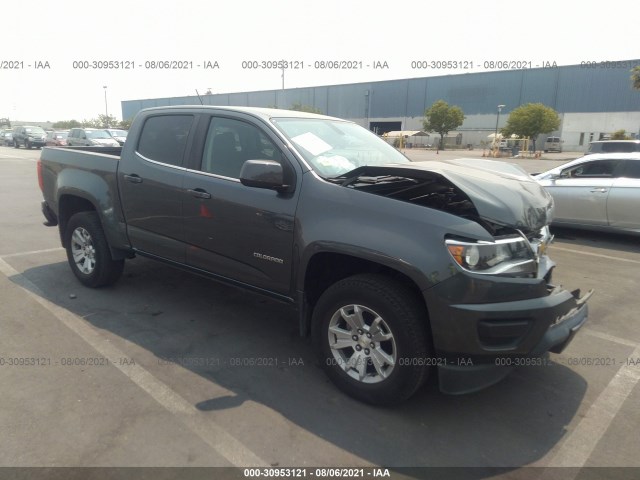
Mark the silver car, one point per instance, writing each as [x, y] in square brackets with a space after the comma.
[597, 192]
[90, 137]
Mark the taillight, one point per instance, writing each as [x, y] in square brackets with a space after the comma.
[40, 176]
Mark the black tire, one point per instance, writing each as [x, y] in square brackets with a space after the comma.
[93, 265]
[402, 315]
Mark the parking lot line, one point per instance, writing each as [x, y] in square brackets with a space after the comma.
[32, 252]
[608, 257]
[579, 444]
[611, 338]
[214, 435]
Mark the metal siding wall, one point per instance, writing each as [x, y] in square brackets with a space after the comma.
[416, 103]
[539, 86]
[130, 108]
[388, 99]
[262, 99]
[348, 101]
[477, 94]
[321, 99]
[596, 90]
[287, 98]
[238, 99]
[567, 89]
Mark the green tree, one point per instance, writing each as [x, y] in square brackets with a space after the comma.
[635, 77]
[530, 120]
[442, 118]
[299, 107]
[91, 123]
[620, 135]
[124, 124]
[103, 121]
[66, 124]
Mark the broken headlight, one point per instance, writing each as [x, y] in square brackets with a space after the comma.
[504, 256]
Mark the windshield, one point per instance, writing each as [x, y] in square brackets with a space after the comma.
[34, 130]
[334, 147]
[60, 135]
[97, 134]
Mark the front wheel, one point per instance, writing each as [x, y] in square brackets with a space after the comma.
[88, 251]
[372, 338]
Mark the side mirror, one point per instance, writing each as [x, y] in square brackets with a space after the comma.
[262, 174]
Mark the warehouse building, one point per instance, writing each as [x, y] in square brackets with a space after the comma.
[592, 101]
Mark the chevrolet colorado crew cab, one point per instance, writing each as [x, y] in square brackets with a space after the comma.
[398, 270]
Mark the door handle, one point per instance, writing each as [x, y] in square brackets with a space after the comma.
[133, 178]
[599, 190]
[199, 193]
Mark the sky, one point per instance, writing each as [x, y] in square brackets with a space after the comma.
[42, 58]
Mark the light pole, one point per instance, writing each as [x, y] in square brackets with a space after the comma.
[106, 110]
[495, 135]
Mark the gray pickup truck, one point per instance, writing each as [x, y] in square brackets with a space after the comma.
[399, 271]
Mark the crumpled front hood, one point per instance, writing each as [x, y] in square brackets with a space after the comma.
[502, 193]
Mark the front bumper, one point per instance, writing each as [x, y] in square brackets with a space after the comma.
[479, 344]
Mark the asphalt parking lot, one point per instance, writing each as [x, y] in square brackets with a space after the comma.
[168, 369]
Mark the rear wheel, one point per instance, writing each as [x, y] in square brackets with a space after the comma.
[371, 335]
[88, 251]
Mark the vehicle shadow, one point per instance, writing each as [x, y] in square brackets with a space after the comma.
[174, 315]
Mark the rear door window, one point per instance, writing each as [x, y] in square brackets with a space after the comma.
[164, 138]
[631, 169]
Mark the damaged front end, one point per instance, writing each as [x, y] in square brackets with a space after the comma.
[494, 194]
[500, 197]
[500, 302]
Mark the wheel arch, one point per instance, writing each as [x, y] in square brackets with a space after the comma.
[68, 206]
[70, 203]
[325, 268]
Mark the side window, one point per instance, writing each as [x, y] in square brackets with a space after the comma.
[596, 169]
[632, 169]
[230, 143]
[164, 138]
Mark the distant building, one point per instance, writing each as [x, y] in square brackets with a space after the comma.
[591, 102]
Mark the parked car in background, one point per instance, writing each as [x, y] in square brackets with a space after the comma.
[117, 134]
[614, 146]
[90, 137]
[552, 144]
[29, 136]
[57, 139]
[6, 138]
[597, 192]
